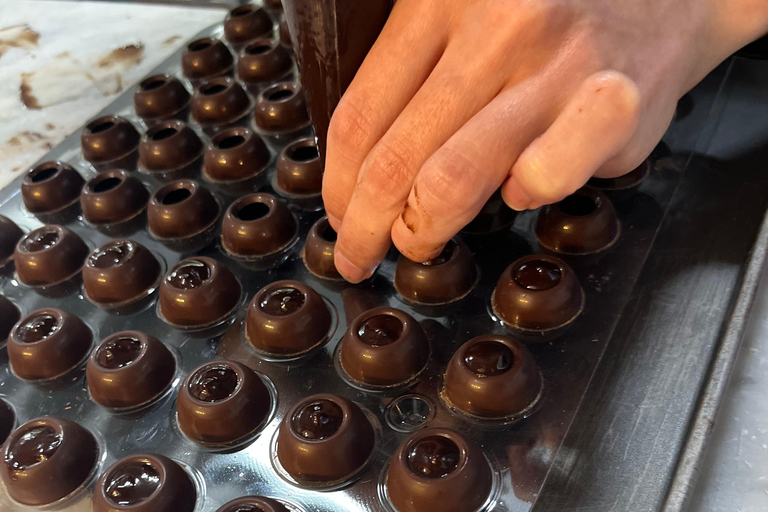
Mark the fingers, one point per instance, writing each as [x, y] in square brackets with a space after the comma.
[372, 103]
[595, 125]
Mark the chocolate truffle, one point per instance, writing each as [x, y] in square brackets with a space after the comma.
[234, 155]
[437, 465]
[246, 23]
[180, 210]
[9, 315]
[206, 58]
[145, 483]
[281, 108]
[287, 319]
[161, 97]
[384, 347]
[285, 34]
[113, 197]
[169, 150]
[537, 295]
[257, 225]
[300, 169]
[275, 5]
[623, 187]
[492, 377]
[51, 187]
[47, 459]
[129, 369]
[318, 251]
[110, 142]
[220, 102]
[198, 292]
[7, 420]
[324, 441]
[443, 280]
[120, 272]
[10, 234]
[263, 61]
[222, 403]
[582, 223]
[48, 344]
[253, 504]
[49, 255]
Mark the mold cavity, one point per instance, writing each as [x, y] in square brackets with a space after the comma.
[230, 142]
[444, 256]
[283, 301]
[434, 457]
[213, 383]
[132, 483]
[489, 358]
[106, 184]
[41, 240]
[38, 328]
[246, 508]
[258, 49]
[242, 10]
[164, 133]
[408, 413]
[305, 154]
[577, 205]
[317, 420]
[280, 95]
[112, 255]
[211, 89]
[252, 211]
[118, 352]
[380, 330]
[327, 232]
[153, 83]
[176, 196]
[101, 126]
[189, 275]
[33, 446]
[43, 173]
[538, 275]
[199, 45]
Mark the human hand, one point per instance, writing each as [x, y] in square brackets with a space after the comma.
[460, 97]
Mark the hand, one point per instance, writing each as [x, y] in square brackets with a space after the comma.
[460, 97]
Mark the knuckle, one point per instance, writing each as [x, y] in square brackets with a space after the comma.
[388, 171]
[351, 124]
[448, 175]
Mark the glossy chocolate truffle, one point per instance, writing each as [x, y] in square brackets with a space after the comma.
[384, 347]
[51, 187]
[180, 210]
[623, 187]
[253, 504]
[108, 141]
[113, 197]
[492, 377]
[170, 148]
[318, 250]
[281, 108]
[219, 102]
[47, 459]
[129, 369]
[443, 280]
[263, 61]
[47, 344]
[437, 465]
[160, 97]
[10, 234]
[206, 58]
[324, 440]
[49, 255]
[145, 483]
[246, 23]
[582, 223]
[222, 403]
[120, 272]
[287, 319]
[7, 420]
[537, 294]
[233, 155]
[198, 292]
[257, 225]
[9, 315]
[300, 169]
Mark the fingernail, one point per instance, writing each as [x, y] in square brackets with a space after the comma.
[349, 270]
[333, 221]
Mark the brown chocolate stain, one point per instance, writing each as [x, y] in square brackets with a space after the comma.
[24, 142]
[171, 40]
[27, 97]
[130, 55]
[17, 36]
[50, 126]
